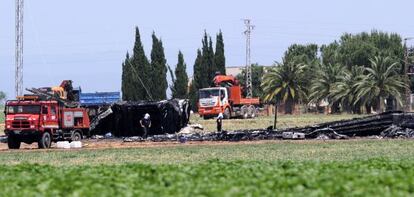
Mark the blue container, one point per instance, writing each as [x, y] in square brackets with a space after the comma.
[99, 98]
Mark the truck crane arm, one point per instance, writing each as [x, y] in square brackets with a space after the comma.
[225, 80]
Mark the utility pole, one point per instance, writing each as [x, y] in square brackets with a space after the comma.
[247, 32]
[19, 49]
[407, 103]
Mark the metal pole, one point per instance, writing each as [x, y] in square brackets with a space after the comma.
[275, 121]
[248, 31]
[19, 49]
[407, 103]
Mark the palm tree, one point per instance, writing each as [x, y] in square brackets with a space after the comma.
[381, 82]
[344, 90]
[322, 85]
[284, 83]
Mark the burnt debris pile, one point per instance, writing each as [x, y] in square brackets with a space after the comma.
[169, 117]
[122, 118]
[386, 125]
[232, 136]
[365, 126]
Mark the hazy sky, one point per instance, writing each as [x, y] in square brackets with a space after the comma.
[86, 40]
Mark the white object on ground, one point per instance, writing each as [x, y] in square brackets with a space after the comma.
[63, 144]
[76, 144]
[191, 129]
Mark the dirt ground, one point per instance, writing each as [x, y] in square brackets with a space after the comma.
[91, 144]
[118, 143]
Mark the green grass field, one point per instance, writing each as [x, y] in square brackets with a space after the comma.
[283, 121]
[285, 168]
[272, 168]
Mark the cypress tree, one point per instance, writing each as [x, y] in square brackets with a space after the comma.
[180, 86]
[140, 69]
[126, 79]
[197, 82]
[199, 73]
[204, 80]
[212, 69]
[158, 70]
[193, 96]
[219, 58]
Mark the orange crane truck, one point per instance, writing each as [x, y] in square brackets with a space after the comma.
[226, 97]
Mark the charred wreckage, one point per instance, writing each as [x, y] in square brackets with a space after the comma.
[106, 113]
[395, 124]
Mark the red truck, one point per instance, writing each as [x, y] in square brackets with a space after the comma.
[29, 120]
[226, 97]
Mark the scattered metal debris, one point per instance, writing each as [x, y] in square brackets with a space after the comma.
[390, 125]
[398, 132]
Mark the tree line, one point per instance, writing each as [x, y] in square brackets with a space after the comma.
[356, 74]
[144, 79]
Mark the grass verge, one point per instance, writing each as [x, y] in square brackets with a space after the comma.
[283, 121]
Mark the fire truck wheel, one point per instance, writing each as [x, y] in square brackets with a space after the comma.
[45, 140]
[76, 136]
[13, 142]
[226, 114]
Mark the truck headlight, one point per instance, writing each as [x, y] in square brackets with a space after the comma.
[8, 126]
[32, 126]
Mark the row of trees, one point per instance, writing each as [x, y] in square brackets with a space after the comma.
[147, 80]
[139, 74]
[355, 74]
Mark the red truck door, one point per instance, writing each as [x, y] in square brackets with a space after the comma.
[50, 117]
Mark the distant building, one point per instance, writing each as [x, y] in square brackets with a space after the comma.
[234, 70]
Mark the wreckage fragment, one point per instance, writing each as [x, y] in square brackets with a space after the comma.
[122, 118]
[395, 131]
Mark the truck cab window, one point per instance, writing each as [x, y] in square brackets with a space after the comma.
[53, 111]
[222, 94]
[44, 110]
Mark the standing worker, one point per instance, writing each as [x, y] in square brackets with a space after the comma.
[219, 122]
[145, 124]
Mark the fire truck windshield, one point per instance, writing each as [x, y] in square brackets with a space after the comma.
[20, 109]
[209, 93]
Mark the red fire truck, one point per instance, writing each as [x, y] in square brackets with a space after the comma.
[30, 119]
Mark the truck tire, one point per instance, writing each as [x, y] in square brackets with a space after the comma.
[76, 136]
[45, 140]
[227, 113]
[252, 111]
[244, 112]
[13, 142]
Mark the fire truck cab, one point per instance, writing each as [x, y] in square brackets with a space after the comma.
[43, 121]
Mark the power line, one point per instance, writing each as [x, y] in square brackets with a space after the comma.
[247, 32]
[139, 78]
